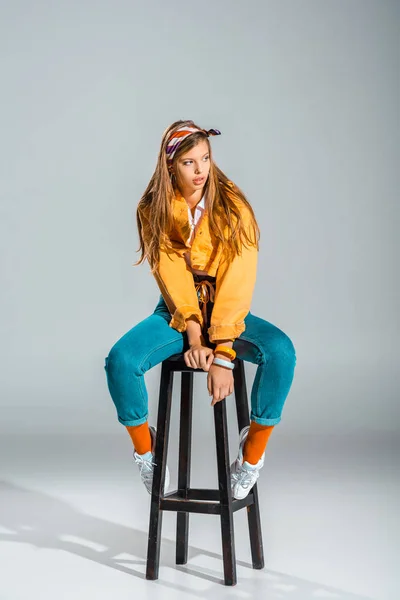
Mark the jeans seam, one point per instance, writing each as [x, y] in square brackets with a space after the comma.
[154, 350]
[262, 371]
[144, 360]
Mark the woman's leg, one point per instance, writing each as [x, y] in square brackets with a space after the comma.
[272, 350]
[145, 345]
[267, 346]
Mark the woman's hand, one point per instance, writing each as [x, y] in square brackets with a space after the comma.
[219, 382]
[199, 356]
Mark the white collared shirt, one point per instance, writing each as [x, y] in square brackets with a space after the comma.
[197, 214]
[193, 221]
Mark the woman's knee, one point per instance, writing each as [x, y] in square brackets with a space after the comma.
[280, 348]
[286, 348]
[120, 362]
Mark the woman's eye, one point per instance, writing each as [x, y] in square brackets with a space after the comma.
[187, 162]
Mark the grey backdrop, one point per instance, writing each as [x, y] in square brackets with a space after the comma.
[306, 95]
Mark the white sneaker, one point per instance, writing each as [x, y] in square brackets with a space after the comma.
[243, 474]
[146, 464]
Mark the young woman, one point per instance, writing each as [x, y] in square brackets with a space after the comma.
[200, 237]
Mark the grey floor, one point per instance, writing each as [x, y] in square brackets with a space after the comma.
[74, 518]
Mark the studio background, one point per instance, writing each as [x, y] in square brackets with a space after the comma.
[306, 95]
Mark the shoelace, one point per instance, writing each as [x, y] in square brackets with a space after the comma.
[146, 471]
[245, 478]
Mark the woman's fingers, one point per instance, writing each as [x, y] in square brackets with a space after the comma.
[210, 359]
[189, 360]
[203, 360]
[199, 358]
[193, 361]
[196, 359]
[220, 394]
[186, 359]
[206, 360]
[215, 400]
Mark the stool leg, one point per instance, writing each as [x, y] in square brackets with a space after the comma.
[253, 511]
[227, 532]
[185, 443]
[160, 458]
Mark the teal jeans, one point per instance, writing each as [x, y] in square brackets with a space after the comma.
[151, 341]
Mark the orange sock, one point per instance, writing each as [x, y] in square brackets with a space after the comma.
[141, 437]
[256, 442]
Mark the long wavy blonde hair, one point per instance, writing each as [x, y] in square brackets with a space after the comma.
[222, 195]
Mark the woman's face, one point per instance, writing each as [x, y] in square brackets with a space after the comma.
[192, 168]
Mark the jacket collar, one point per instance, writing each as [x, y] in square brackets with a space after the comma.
[179, 197]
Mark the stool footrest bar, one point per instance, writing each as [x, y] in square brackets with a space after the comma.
[200, 501]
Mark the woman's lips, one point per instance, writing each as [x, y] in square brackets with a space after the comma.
[200, 180]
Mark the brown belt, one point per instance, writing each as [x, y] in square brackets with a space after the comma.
[205, 288]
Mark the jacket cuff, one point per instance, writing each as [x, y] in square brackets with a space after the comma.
[182, 313]
[224, 332]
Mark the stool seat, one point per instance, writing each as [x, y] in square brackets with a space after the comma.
[185, 499]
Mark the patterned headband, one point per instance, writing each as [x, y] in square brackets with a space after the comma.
[178, 136]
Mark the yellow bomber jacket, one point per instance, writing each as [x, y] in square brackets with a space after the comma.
[235, 279]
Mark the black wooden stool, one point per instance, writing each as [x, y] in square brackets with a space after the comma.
[186, 499]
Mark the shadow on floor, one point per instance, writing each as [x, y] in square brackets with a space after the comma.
[46, 522]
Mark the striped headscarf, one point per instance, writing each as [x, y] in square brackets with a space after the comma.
[180, 134]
